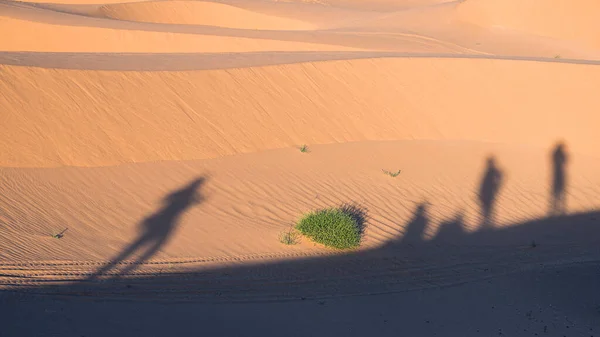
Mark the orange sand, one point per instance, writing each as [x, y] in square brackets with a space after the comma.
[108, 108]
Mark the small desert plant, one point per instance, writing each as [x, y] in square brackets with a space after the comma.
[337, 227]
[556, 56]
[304, 148]
[59, 235]
[290, 237]
[392, 174]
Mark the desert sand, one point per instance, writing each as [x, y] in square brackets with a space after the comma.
[150, 160]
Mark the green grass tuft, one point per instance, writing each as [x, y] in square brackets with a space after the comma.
[339, 227]
[392, 174]
[289, 238]
[304, 148]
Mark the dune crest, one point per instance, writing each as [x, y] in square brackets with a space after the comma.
[199, 13]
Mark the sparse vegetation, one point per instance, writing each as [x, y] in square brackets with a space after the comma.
[59, 235]
[338, 227]
[556, 56]
[304, 148]
[290, 237]
[392, 174]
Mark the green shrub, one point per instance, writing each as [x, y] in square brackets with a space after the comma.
[339, 227]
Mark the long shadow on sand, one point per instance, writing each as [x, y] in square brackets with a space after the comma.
[454, 255]
[409, 262]
[156, 229]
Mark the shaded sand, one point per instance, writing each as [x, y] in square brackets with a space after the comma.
[150, 153]
[519, 305]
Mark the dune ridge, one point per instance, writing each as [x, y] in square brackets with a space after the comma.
[199, 13]
[224, 112]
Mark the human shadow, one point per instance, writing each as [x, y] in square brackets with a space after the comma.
[451, 231]
[243, 290]
[488, 191]
[417, 225]
[453, 255]
[559, 160]
[156, 229]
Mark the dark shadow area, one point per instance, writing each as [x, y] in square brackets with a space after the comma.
[509, 281]
[358, 214]
[400, 265]
[452, 231]
[408, 264]
[156, 229]
[558, 203]
[488, 191]
[415, 229]
[204, 61]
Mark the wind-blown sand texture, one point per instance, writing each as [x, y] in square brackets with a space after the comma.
[150, 155]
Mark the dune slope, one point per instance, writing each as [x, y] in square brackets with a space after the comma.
[199, 13]
[109, 118]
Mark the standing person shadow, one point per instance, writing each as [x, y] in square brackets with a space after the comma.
[156, 229]
[417, 225]
[557, 198]
[488, 191]
[413, 231]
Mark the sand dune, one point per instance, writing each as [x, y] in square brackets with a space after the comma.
[149, 151]
[199, 13]
[48, 28]
[63, 35]
[221, 112]
[559, 19]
